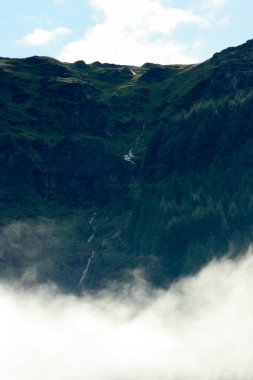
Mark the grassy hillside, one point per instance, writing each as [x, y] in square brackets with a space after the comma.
[129, 166]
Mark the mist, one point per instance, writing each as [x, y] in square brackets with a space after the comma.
[200, 328]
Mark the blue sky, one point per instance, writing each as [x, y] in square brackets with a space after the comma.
[120, 31]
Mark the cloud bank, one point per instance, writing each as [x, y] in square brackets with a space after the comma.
[135, 32]
[201, 328]
[131, 32]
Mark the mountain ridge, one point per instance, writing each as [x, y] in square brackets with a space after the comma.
[150, 154]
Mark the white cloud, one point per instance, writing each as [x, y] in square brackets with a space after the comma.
[59, 1]
[40, 37]
[132, 32]
[201, 328]
[211, 16]
[214, 4]
[224, 21]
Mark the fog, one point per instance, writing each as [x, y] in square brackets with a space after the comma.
[200, 328]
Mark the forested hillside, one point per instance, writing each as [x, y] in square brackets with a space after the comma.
[107, 168]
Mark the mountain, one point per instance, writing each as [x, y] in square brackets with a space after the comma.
[105, 168]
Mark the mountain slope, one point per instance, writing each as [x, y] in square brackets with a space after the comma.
[126, 166]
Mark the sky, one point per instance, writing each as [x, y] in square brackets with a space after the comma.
[199, 329]
[123, 31]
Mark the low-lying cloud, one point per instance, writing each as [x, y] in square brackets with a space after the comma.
[27, 238]
[201, 328]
